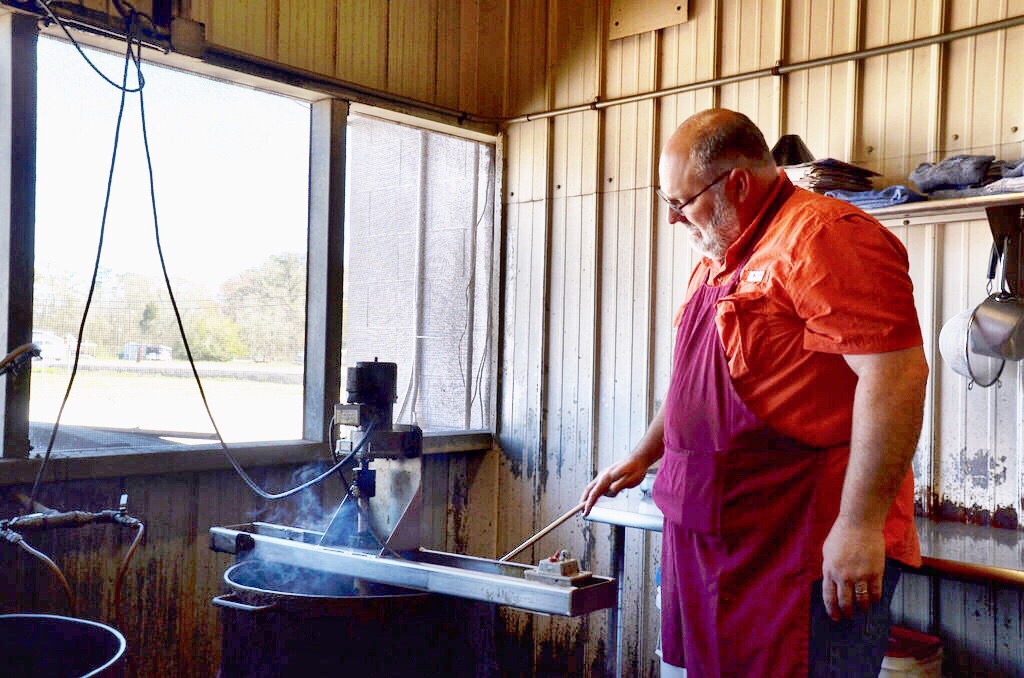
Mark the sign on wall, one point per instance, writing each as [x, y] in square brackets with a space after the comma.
[629, 17]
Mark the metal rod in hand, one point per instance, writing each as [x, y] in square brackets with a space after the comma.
[558, 521]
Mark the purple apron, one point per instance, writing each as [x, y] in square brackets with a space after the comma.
[745, 517]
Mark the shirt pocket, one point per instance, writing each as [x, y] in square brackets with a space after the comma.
[740, 318]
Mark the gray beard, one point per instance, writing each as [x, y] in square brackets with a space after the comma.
[722, 230]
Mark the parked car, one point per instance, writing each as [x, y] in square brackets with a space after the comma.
[51, 346]
[134, 350]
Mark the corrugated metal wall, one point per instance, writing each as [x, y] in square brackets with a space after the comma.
[594, 273]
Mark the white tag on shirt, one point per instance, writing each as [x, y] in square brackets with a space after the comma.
[754, 276]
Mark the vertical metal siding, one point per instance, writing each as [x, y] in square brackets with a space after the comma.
[897, 93]
[981, 69]
[819, 102]
[169, 623]
[890, 113]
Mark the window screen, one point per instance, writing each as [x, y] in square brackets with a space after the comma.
[418, 283]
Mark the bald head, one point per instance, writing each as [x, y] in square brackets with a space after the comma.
[718, 139]
[715, 173]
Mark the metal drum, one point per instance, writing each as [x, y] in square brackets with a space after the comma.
[51, 646]
[283, 620]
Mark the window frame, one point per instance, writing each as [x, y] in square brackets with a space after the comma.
[322, 376]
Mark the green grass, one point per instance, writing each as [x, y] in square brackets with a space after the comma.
[245, 410]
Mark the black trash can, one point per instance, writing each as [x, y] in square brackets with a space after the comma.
[51, 646]
[284, 621]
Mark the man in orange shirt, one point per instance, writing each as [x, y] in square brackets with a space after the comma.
[793, 412]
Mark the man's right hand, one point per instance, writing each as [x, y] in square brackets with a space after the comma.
[617, 477]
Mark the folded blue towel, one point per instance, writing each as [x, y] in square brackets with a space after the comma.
[956, 171]
[886, 197]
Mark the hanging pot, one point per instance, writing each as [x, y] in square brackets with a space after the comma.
[997, 325]
[998, 328]
[957, 351]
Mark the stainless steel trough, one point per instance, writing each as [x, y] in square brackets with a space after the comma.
[501, 583]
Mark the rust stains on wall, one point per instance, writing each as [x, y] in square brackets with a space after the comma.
[945, 508]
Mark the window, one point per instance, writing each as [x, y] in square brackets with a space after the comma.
[419, 247]
[231, 168]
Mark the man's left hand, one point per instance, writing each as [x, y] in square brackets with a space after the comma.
[854, 562]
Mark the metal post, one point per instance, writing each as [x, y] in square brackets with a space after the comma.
[325, 256]
[615, 613]
[18, 95]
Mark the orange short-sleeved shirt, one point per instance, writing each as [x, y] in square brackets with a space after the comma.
[825, 279]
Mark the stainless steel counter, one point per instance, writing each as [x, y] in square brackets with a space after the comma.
[972, 551]
[629, 509]
[947, 549]
[632, 508]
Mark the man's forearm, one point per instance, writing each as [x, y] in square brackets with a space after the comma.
[652, 444]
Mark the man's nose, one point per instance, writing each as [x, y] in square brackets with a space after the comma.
[675, 217]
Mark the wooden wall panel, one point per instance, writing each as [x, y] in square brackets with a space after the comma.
[527, 80]
[242, 25]
[446, 52]
[484, 70]
[449, 53]
[413, 42]
[362, 43]
[307, 34]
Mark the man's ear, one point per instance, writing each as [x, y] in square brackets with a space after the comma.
[741, 181]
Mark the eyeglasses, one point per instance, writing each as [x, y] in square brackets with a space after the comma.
[677, 206]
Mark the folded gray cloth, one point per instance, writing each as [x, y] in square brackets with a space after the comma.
[886, 197]
[1011, 169]
[1007, 185]
[956, 171]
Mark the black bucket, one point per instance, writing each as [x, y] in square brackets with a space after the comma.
[284, 621]
[51, 646]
